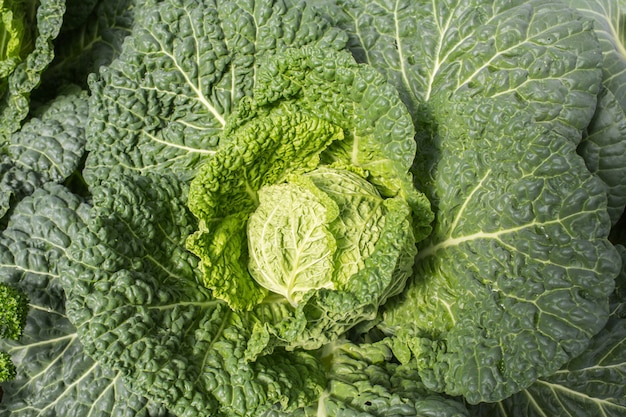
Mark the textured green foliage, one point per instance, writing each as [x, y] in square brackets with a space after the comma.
[49, 354]
[509, 296]
[48, 148]
[291, 246]
[91, 36]
[224, 194]
[43, 19]
[162, 105]
[359, 223]
[591, 384]
[280, 133]
[139, 307]
[604, 145]
[514, 280]
[376, 125]
[363, 380]
[604, 150]
[52, 142]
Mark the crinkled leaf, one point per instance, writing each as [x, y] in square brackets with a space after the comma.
[49, 148]
[133, 293]
[515, 278]
[52, 143]
[364, 381]
[290, 243]
[55, 376]
[540, 55]
[604, 148]
[360, 222]
[92, 36]
[323, 315]
[15, 183]
[307, 102]
[333, 87]
[224, 194]
[590, 385]
[162, 104]
[608, 19]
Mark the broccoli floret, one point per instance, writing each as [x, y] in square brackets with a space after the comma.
[7, 368]
[13, 311]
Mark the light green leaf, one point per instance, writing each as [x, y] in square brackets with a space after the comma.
[607, 16]
[290, 244]
[360, 222]
[306, 103]
[14, 38]
[225, 193]
[377, 128]
[44, 18]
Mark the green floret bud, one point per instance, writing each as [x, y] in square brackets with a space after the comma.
[7, 368]
[13, 311]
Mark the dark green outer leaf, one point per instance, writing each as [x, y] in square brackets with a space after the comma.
[364, 381]
[604, 151]
[55, 376]
[52, 143]
[604, 147]
[77, 12]
[48, 148]
[537, 54]
[505, 281]
[133, 293]
[609, 27]
[589, 385]
[500, 93]
[92, 36]
[15, 183]
[163, 103]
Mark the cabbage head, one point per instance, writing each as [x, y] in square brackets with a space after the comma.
[308, 208]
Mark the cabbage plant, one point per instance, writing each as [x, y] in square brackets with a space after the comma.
[291, 208]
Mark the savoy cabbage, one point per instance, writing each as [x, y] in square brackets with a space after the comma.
[339, 208]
